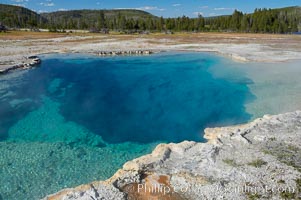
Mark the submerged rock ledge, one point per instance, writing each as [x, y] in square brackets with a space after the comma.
[124, 53]
[261, 159]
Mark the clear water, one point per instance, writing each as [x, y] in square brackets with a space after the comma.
[79, 118]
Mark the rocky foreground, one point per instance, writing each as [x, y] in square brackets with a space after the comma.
[259, 160]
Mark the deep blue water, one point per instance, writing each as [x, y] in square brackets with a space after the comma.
[77, 118]
[166, 97]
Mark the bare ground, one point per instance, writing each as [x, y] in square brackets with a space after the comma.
[14, 46]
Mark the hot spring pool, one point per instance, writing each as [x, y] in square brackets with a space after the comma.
[78, 118]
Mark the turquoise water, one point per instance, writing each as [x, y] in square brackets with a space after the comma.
[79, 118]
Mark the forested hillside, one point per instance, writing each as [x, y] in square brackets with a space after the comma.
[97, 19]
[16, 16]
[282, 20]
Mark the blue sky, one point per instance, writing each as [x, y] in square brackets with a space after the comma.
[166, 8]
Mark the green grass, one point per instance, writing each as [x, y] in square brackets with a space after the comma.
[292, 164]
[298, 184]
[287, 154]
[272, 139]
[281, 181]
[292, 195]
[265, 151]
[253, 196]
[231, 162]
[293, 148]
[288, 195]
[257, 163]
